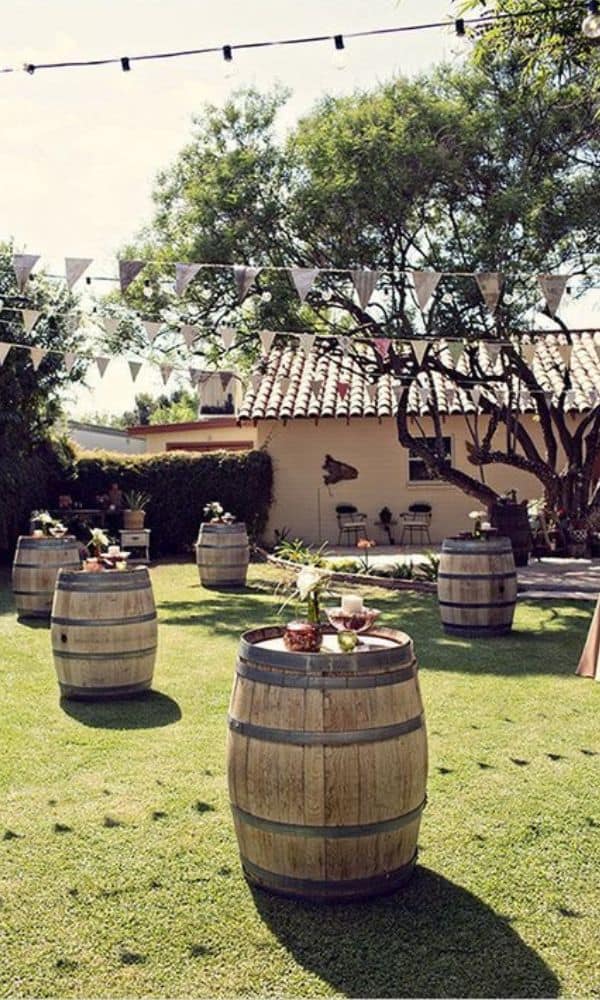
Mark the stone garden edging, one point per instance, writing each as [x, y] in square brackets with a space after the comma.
[421, 586]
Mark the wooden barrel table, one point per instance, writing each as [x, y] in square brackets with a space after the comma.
[477, 586]
[104, 633]
[35, 568]
[327, 764]
[222, 554]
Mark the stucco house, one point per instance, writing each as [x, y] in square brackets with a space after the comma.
[297, 413]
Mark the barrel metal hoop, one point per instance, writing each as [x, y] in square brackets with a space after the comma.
[322, 663]
[85, 622]
[44, 566]
[114, 654]
[46, 543]
[476, 631]
[489, 604]
[287, 679]
[32, 593]
[81, 582]
[478, 576]
[330, 832]
[372, 885]
[299, 737]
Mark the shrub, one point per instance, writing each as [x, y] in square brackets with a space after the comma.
[180, 485]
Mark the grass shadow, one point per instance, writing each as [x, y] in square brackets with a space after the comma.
[432, 939]
[148, 710]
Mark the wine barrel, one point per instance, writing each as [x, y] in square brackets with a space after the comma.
[512, 521]
[477, 586]
[327, 764]
[35, 568]
[104, 633]
[222, 555]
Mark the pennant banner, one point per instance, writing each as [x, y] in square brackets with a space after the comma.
[490, 286]
[266, 338]
[227, 336]
[456, 348]
[37, 356]
[244, 279]
[303, 279]
[152, 330]
[307, 342]
[189, 334]
[75, 267]
[493, 352]
[342, 388]
[315, 386]
[565, 351]
[419, 347]
[23, 264]
[102, 365]
[4, 349]
[225, 378]
[134, 369]
[382, 346]
[30, 318]
[425, 283]
[284, 384]
[184, 273]
[345, 344]
[364, 283]
[128, 271]
[255, 382]
[552, 287]
[111, 325]
[69, 360]
[476, 394]
[450, 396]
[371, 391]
[165, 371]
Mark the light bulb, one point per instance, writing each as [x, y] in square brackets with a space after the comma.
[229, 68]
[339, 58]
[461, 43]
[148, 290]
[590, 27]
[266, 297]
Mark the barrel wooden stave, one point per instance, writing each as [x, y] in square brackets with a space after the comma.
[477, 587]
[222, 555]
[305, 814]
[104, 633]
[35, 569]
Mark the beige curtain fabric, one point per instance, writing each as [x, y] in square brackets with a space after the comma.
[588, 664]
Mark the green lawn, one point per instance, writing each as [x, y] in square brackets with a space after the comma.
[119, 874]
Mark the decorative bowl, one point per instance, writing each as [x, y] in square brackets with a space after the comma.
[352, 621]
[302, 637]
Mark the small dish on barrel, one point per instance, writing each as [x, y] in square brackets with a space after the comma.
[352, 621]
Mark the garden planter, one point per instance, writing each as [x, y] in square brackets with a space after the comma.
[222, 554]
[104, 633]
[133, 520]
[327, 764]
[35, 568]
[477, 586]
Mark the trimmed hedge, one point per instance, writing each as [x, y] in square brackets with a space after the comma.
[27, 480]
[180, 484]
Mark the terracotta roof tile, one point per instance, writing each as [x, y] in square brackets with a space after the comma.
[286, 387]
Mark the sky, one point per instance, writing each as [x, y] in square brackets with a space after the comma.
[82, 147]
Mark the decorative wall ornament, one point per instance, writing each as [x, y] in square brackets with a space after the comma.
[336, 471]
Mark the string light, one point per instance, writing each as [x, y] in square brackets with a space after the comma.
[591, 23]
[339, 59]
[590, 27]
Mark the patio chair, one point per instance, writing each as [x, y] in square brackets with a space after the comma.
[351, 522]
[415, 523]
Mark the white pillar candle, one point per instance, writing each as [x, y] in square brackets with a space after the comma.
[486, 526]
[351, 603]
[113, 550]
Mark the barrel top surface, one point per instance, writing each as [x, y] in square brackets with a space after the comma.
[478, 546]
[79, 579]
[378, 648]
[209, 526]
[29, 542]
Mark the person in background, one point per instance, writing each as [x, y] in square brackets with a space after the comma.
[114, 509]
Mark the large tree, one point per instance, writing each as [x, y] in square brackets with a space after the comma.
[463, 170]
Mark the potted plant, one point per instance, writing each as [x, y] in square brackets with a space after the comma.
[215, 514]
[386, 521]
[43, 525]
[98, 541]
[134, 513]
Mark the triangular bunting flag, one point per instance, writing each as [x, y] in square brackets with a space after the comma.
[307, 342]
[37, 356]
[165, 371]
[111, 325]
[371, 390]
[23, 264]
[4, 349]
[284, 384]
[397, 390]
[303, 279]
[189, 334]
[570, 397]
[451, 396]
[134, 369]
[30, 318]
[527, 352]
[424, 393]
[493, 352]
[194, 375]
[255, 382]
[364, 283]
[425, 283]
[490, 286]
[342, 388]
[476, 394]
[315, 386]
[525, 398]
[102, 365]
[382, 346]
[593, 397]
[456, 348]
[152, 329]
[548, 396]
[344, 343]
[565, 351]
[266, 338]
[227, 336]
[552, 287]
[225, 378]
[69, 360]
[183, 275]
[75, 267]
[128, 271]
[244, 279]
[419, 347]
